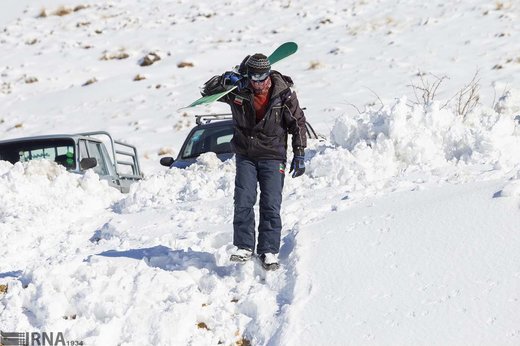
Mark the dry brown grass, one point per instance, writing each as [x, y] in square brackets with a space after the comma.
[185, 64]
[31, 42]
[3, 289]
[80, 7]
[90, 81]
[469, 96]
[82, 24]
[243, 342]
[121, 55]
[315, 65]
[30, 80]
[61, 11]
[43, 13]
[169, 151]
[139, 77]
[202, 325]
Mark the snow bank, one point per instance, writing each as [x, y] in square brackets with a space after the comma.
[43, 207]
[208, 178]
[36, 189]
[373, 146]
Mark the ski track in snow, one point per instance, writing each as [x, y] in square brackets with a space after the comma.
[176, 266]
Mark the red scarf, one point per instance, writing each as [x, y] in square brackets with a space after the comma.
[261, 100]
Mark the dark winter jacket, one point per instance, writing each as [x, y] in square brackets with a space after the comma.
[266, 140]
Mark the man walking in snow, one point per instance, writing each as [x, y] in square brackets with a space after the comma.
[265, 110]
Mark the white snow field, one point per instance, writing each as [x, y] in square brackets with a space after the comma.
[404, 229]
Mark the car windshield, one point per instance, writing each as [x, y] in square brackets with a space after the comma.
[210, 139]
[60, 151]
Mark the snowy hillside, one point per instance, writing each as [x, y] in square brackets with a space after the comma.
[403, 231]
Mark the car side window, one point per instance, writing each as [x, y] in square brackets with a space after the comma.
[215, 139]
[83, 152]
[222, 141]
[94, 151]
[194, 146]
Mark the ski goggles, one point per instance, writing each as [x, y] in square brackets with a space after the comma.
[259, 77]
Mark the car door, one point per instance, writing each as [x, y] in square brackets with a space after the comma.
[104, 167]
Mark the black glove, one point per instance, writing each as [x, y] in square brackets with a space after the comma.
[242, 69]
[298, 163]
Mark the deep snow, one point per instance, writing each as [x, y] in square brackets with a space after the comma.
[403, 231]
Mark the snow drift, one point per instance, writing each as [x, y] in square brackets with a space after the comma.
[378, 144]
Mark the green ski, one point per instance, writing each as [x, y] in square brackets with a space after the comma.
[282, 52]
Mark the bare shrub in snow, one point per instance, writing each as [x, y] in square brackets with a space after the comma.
[426, 92]
[468, 97]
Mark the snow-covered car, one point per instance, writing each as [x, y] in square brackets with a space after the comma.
[78, 153]
[213, 133]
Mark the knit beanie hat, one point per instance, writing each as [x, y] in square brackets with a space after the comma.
[258, 64]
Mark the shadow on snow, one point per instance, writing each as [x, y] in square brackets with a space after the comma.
[172, 260]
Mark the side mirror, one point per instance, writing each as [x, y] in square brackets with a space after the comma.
[87, 163]
[167, 161]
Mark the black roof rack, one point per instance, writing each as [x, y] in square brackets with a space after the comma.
[207, 118]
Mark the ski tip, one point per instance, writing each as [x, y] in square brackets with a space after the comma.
[292, 44]
[282, 52]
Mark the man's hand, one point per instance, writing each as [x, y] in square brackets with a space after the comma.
[297, 166]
